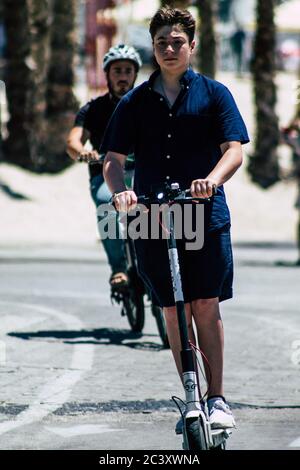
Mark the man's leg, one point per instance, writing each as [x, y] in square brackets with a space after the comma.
[210, 337]
[210, 334]
[209, 327]
[114, 248]
[170, 314]
[173, 332]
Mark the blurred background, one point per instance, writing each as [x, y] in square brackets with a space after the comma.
[50, 64]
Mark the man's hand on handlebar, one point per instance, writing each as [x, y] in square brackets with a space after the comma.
[125, 201]
[203, 188]
[88, 156]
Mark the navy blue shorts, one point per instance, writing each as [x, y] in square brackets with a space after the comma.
[206, 273]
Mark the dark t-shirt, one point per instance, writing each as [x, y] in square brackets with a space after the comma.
[177, 144]
[94, 117]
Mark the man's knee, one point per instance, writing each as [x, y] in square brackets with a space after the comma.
[205, 307]
[171, 318]
[205, 302]
[170, 315]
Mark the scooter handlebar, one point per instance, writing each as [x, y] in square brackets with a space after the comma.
[173, 196]
[170, 196]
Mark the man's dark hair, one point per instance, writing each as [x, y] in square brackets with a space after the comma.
[168, 16]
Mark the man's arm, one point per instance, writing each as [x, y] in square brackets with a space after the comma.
[113, 171]
[75, 145]
[230, 161]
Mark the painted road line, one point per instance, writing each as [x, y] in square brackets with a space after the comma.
[56, 391]
[295, 443]
[15, 322]
[104, 298]
[82, 430]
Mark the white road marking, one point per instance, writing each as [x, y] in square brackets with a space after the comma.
[15, 322]
[82, 430]
[104, 298]
[54, 393]
[295, 443]
[273, 322]
[295, 356]
[2, 353]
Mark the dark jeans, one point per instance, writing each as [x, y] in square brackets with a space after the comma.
[114, 248]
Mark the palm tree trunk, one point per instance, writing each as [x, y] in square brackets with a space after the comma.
[175, 3]
[18, 80]
[39, 82]
[297, 169]
[2, 87]
[61, 102]
[38, 11]
[208, 43]
[263, 165]
[26, 24]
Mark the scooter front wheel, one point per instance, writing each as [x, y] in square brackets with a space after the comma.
[195, 434]
[133, 306]
[220, 447]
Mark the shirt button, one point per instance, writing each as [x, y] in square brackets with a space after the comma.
[187, 87]
[168, 156]
[171, 115]
[169, 136]
[167, 177]
[161, 99]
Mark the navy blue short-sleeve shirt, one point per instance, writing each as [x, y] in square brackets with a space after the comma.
[177, 144]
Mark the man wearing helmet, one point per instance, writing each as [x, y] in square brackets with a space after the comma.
[121, 64]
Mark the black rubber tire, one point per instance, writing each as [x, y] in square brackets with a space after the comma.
[161, 325]
[219, 448]
[195, 435]
[133, 305]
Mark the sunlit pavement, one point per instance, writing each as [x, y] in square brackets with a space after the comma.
[73, 376]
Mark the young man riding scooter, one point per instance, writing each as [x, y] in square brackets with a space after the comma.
[183, 127]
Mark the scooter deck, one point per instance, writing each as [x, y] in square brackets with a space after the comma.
[219, 436]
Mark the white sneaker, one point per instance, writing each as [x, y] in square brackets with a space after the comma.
[220, 415]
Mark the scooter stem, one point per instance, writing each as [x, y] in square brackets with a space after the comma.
[187, 359]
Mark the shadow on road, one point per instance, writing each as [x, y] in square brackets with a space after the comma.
[101, 336]
[11, 193]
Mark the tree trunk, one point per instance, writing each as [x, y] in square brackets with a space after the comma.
[263, 165]
[18, 80]
[26, 24]
[2, 87]
[39, 82]
[207, 48]
[297, 167]
[38, 11]
[61, 102]
[175, 3]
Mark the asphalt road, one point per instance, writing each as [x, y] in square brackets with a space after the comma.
[73, 376]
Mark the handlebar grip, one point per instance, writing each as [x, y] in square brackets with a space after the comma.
[215, 190]
[91, 162]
